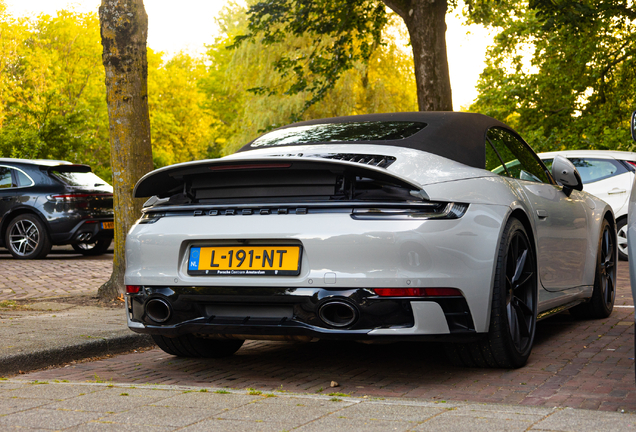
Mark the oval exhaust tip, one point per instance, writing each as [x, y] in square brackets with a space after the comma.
[158, 310]
[338, 314]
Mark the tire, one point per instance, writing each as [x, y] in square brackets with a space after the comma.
[621, 234]
[93, 248]
[513, 315]
[26, 238]
[191, 346]
[601, 303]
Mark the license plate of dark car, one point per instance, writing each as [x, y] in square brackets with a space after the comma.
[244, 260]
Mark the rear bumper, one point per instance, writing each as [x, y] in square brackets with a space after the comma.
[340, 254]
[84, 231]
[254, 313]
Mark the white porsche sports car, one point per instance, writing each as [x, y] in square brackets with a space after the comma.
[382, 227]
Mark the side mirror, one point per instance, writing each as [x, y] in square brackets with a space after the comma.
[565, 173]
[633, 125]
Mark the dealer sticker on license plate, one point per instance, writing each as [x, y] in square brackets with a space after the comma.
[244, 260]
[108, 225]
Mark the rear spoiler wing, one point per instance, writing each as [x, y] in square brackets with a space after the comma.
[169, 180]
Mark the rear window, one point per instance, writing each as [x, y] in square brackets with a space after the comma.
[339, 132]
[80, 179]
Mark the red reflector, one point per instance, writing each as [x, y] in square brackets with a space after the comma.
[90, 222]
[417, 292]
[249, 166]
[132, 289]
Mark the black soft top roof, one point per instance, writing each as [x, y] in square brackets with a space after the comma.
[458, 136]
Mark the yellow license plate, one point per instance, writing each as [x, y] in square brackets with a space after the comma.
[108, 225]
[244, 260]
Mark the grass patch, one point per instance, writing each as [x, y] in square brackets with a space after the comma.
[222, 392]
[335, 399]
[254, 392]
[338, 394]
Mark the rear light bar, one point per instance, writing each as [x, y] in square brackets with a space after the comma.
[435, 211]
[417, 292]
[78, 197]
[133, 289]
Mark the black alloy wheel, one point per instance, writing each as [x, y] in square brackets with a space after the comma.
[513, 316]
[97, 247]
[521, 290]
[26, 238]
[601, 303]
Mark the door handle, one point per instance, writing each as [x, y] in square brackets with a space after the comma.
[542, 214]
[616, 191]
[7, 198]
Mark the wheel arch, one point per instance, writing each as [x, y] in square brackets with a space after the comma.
[6, 220]
[521, 215]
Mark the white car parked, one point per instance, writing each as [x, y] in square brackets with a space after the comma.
[608, 175]
[375, 228]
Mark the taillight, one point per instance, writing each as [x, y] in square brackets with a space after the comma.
[77, 197]
[633, 164]
[133, 289]
[417, 292]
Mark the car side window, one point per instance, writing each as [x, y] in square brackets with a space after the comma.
[592, 169]
[23, 179]
[5, 178]
[518, 160]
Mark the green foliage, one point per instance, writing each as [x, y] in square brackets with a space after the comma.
[53, 103]
[385, 83]
[569, 84]
[343, 32]
[181, 128]
[53, 96]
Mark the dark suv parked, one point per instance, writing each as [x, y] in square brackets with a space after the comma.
[47, 202]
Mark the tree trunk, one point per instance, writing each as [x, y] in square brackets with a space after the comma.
[426, 22]
[124, 29]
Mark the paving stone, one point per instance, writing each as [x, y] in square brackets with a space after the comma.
[15, 404]
[51, 391]
[161, 416]
[389, 412]
[105, 402]
[458, 423]
[47, 419]
[107, 426]
[206, 400]
[580, 420]
[332, 423]
[227, 425]
[296, 411]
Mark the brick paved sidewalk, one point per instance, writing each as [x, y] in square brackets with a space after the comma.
[579, 364]
[95, 406]
[61, 273]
